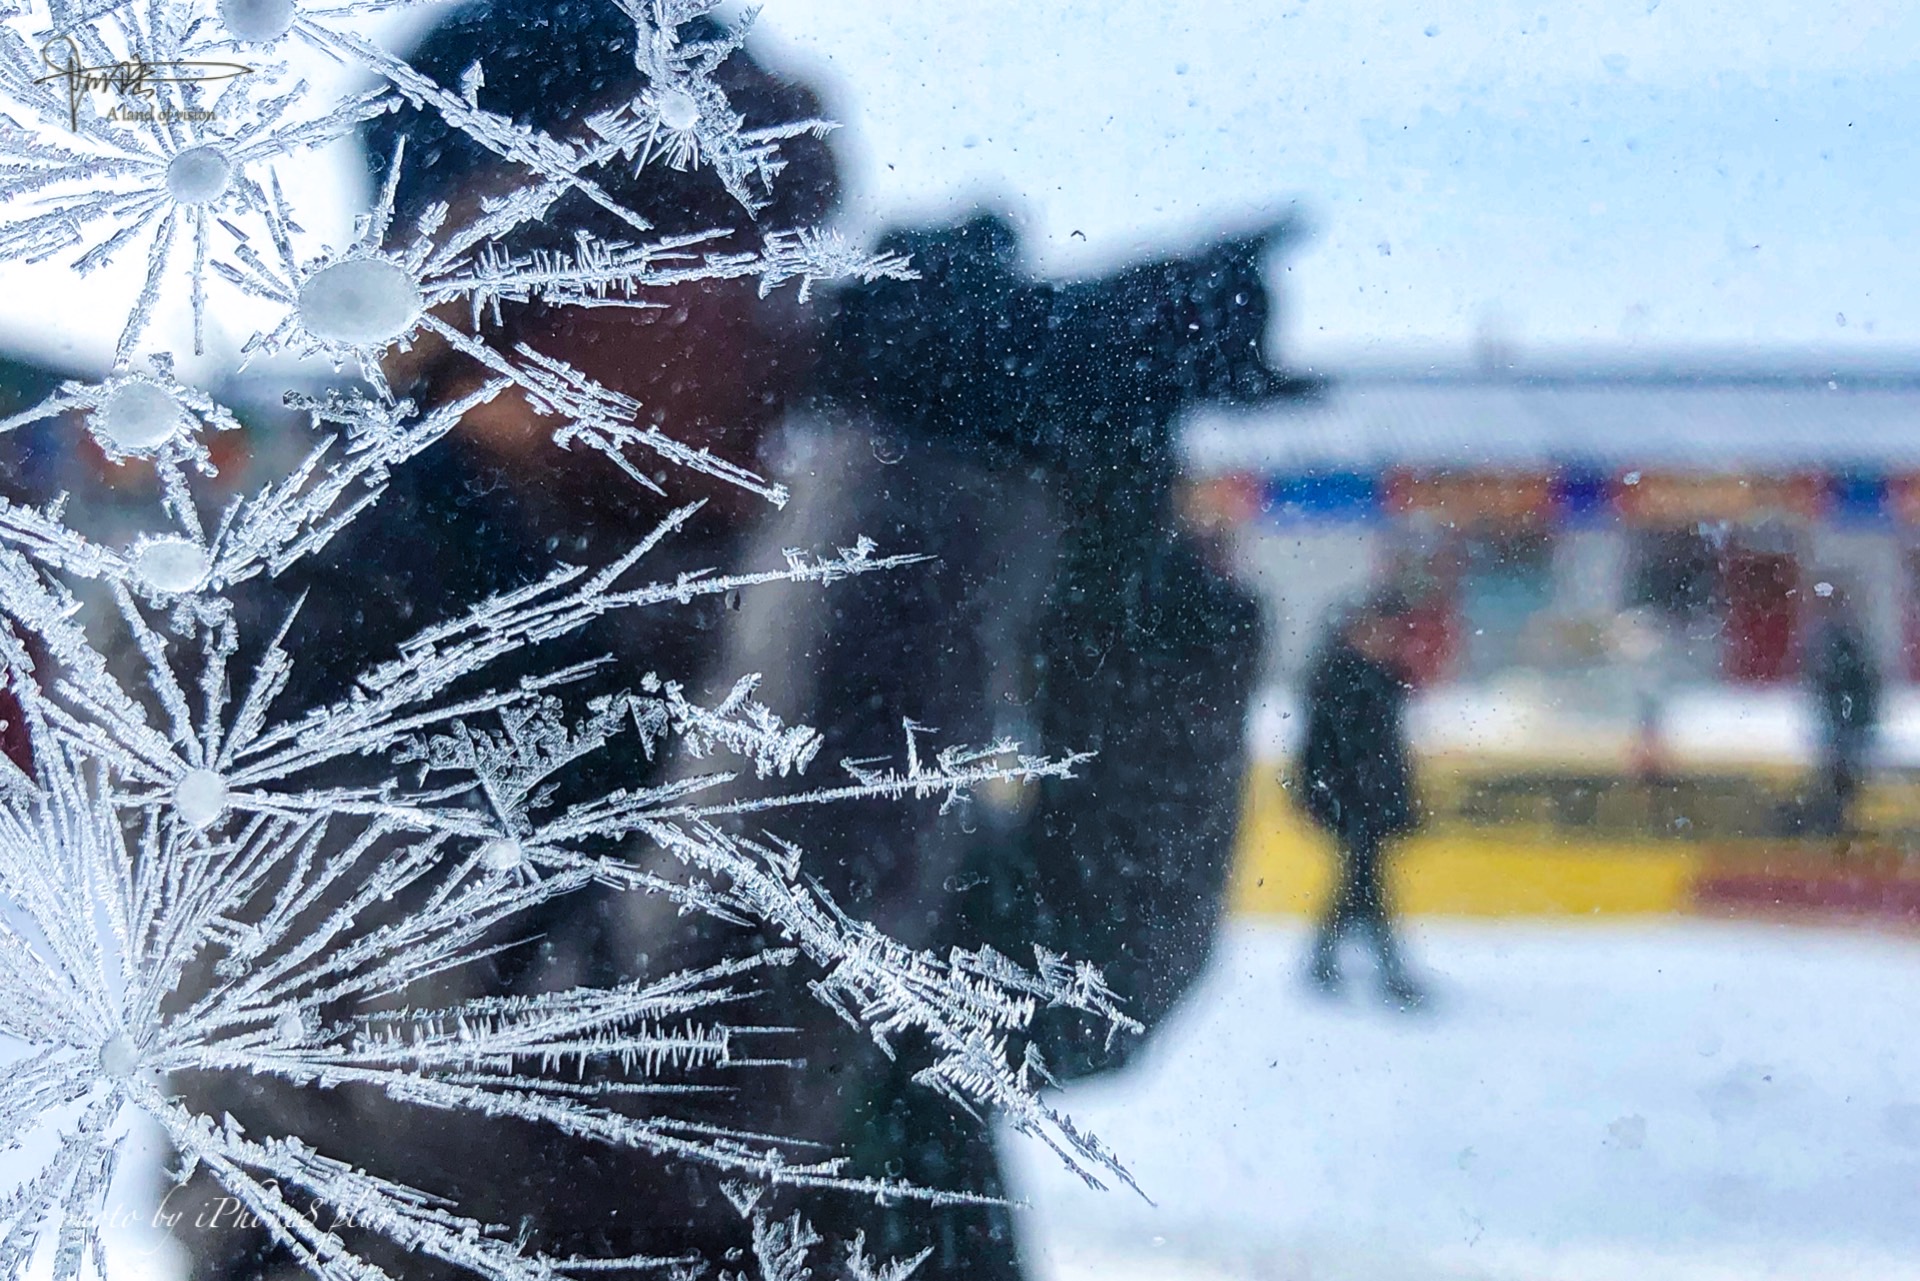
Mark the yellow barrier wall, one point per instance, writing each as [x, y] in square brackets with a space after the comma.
[1284, 867]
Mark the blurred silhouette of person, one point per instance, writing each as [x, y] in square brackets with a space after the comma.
[1644, 656]
[1021, 433]
[1356, 781]
[1845, 683]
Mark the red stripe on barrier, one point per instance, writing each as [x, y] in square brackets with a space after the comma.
[1878, 897]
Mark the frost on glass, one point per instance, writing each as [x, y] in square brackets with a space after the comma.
[182, 818]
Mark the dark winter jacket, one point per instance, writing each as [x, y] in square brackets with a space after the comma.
[1846, 687]
[1021, 434]
[1355, 776]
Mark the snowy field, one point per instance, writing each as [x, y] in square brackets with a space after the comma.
[1668, 1100]
[1700, 726]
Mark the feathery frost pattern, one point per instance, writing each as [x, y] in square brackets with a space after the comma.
[196, 877]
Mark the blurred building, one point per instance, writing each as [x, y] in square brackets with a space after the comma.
[1560, 523]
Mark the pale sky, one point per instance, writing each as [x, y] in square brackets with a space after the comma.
[1642, 174]
[1634, 176]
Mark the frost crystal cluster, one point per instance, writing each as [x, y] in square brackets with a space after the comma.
[189, 884]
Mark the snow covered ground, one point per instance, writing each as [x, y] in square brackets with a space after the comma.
[1667, 1100]
[1663, 1101]
[1702, 726]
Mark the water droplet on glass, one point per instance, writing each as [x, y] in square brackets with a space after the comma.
[257, 20]
[291, 1027]
[503, 854]
[172, 564]
[200, 798]
[198, 175]
[138, 415]
[118, 1058]
[889, 450]
[362, 302]
[677, 109]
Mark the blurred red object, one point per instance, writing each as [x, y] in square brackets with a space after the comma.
[13, 731]
[1763, 618]
[1432, 641]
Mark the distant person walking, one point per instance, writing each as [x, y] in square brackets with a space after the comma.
[1356, 781]
[1846, 692]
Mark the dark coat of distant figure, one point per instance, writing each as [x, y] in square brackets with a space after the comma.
[1356, 780]
[1355, 775]
[1846, 690]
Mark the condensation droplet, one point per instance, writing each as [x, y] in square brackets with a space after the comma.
[172, 564]
[362, 302]
[677, 109]
[118, 1059]
[200, 798]
[138, 415]
[889, 450]
[198, 175]
[257, 20]
[503, 854]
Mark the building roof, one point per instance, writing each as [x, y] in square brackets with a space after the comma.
[1708, 421]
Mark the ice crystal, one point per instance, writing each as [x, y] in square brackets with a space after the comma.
[192, 154]
[684, 118]
[197, 878]
[783, 1249]
[138, 414]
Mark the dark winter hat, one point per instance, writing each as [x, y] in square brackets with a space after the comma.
[549, 64]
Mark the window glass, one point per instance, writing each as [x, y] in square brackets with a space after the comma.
[1229, 638]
